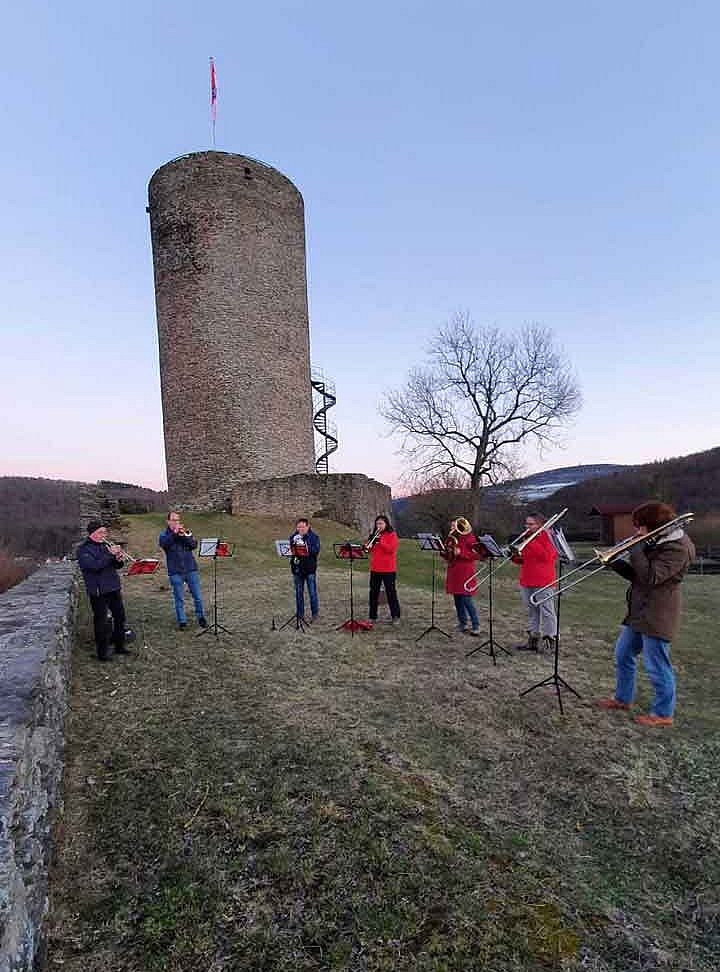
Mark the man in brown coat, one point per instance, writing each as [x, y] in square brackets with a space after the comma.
[655, 571]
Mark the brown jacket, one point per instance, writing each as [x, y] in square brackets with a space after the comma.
[655, 571]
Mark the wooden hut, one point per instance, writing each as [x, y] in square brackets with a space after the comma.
[617, 522]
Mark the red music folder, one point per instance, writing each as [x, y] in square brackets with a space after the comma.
[145, 566]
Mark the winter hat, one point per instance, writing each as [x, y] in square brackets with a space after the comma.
[94, 525]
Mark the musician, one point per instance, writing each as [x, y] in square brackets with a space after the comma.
[655, 570]
[178, 544]
[537, 569]
[304, 550]
[99, 563]
[382, 546]
[462, 551]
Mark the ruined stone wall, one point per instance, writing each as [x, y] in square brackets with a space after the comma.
[349, 498]
[228, 240]
[37, 620]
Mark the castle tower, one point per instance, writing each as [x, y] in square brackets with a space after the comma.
[228, 240]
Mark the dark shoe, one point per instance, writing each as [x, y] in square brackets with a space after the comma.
[202, 622]
[473, 632]
[548, 645]
[531, 644]
[123, 651]
[182, 625]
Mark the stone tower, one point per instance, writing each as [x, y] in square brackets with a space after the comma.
[228, 240]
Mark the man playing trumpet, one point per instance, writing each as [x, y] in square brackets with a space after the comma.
[178, 544]
[99, 561]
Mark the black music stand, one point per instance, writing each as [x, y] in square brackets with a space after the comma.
[490, 646]
[428, 541]
[215, 547]
[283, 548]
[351, 552]
[142, 567]
[567, 556]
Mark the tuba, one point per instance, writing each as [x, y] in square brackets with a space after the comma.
[459, 527]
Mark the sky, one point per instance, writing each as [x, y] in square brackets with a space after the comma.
[548, 163]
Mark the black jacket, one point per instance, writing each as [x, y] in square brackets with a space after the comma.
[99, 568]
[302, 566]
[178, 552]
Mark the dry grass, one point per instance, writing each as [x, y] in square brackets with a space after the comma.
[12, 571]
[279, 800]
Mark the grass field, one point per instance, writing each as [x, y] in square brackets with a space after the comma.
[275, 800]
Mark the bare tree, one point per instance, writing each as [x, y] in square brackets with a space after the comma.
[480, 397]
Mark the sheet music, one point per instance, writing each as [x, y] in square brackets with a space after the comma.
[490, 545]
[430, 541]
[208, 547]
[561, 544]
[282, 548]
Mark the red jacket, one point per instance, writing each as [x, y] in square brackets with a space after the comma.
[461, 567]
[383, 555]
[537, 562]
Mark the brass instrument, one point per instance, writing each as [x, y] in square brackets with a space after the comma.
[515, 548]
[372, 540]
[459, 527]
[604, 558]
[125, 555]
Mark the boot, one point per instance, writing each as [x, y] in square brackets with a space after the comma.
[531, 644]
[548, 645]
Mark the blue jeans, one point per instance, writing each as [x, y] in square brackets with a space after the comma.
[178, 582]
[300, 582]
[656, 657]
[465, 609]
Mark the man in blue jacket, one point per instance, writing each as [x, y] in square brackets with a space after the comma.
[178, 544]
[99, 563]
[304, 549]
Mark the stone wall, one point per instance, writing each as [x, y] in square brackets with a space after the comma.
[349, 498]
[37, 621]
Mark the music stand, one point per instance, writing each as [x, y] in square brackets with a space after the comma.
[351, 552]
[565, 556]
[490, 646]
[142, 567]
[429, 541]
[214, 547]
[283, 548]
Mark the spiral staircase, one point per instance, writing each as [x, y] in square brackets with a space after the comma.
[323, 399]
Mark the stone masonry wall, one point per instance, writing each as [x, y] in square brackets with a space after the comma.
[349, 498]
[228, 240]
[37, 621]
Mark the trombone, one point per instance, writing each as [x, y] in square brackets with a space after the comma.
[603, 558]
[514, 548]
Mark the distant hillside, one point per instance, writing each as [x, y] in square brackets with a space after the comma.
[543, 484]
[41, 517]
[687, 482]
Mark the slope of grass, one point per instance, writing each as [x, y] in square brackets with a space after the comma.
[277, 800]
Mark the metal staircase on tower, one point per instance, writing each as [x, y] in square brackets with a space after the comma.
[323, 399]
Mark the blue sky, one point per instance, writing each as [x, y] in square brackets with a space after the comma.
[551, 163]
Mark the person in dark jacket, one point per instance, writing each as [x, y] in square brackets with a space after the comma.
[655, 570]
[304, 550]
[99, 563]
[178, 544]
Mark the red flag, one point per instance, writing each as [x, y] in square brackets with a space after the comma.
[213, 90]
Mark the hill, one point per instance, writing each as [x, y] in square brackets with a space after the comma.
[40, 517]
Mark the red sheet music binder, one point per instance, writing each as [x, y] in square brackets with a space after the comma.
[350, 551]
[145, 566]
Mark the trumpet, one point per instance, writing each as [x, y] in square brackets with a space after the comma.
[110, 544]
[515, 548]
[604, 558]
[372, 540]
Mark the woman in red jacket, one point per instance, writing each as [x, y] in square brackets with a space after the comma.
[383, 567]
[537, 569]
[462, 552]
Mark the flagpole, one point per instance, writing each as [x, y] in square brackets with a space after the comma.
[213, 98]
